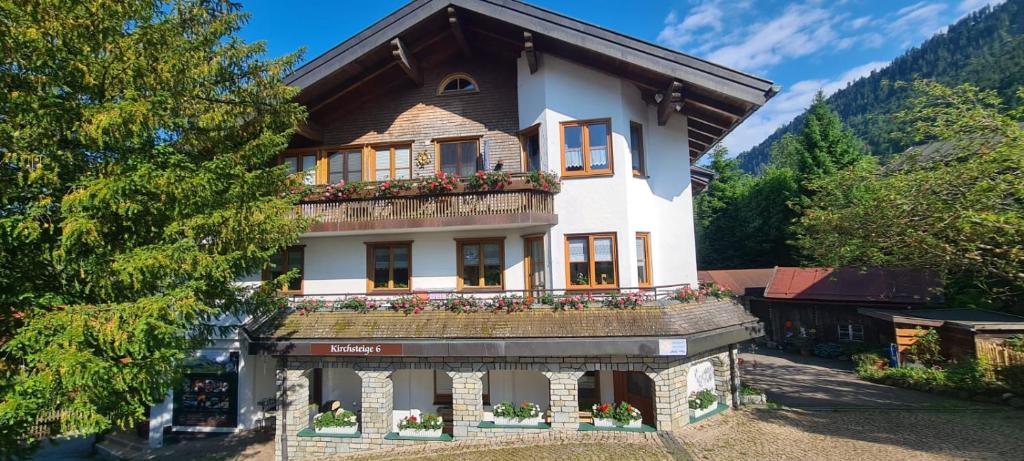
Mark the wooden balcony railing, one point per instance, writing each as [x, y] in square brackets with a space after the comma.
[524, 206]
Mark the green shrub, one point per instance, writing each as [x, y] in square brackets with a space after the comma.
[971, 376]
[750, 390]
[828, 350]
[703, 399]
[927, 349]
[1015, 342]
[867, 360]
[340, 418]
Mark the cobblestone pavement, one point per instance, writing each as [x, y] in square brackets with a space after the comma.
[857, 435]
[811, 382]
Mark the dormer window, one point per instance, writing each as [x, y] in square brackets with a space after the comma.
[457, 84]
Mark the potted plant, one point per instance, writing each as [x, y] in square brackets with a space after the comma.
[336, 421]
[609, 415]
[524, 414]
[702, 403]
[420, 425]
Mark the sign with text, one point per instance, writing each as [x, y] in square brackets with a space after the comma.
[671, 347]
[356, 349]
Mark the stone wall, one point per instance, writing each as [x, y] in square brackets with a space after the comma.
[667, 374]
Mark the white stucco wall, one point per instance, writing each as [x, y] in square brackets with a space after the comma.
[343, 385]
[660, 203]
[518, 387]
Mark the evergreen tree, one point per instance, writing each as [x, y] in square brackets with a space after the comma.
[137, 140]
[822, 147]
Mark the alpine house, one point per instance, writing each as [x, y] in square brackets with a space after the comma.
[503, 211]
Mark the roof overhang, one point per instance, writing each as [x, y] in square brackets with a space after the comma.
[519, 347]
[715, 99]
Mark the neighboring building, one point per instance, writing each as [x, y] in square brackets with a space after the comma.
[468, 87]
[700, 177]
[744, 283]
[823, 303]
[963, 333]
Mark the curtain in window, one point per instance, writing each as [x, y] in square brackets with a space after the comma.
[573, 148]
[578, 250]
[309, 169]
[602, 249]
[383, 164]
[597, 134]
[354, 167]
[403, 163]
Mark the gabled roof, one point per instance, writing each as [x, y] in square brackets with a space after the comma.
[750, 282]
[715, 98]
[875, 285]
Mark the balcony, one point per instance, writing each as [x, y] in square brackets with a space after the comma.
[414, 204]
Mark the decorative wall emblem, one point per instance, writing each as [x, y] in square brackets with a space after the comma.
[700, 377]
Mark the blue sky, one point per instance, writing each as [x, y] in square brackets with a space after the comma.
[802, 45]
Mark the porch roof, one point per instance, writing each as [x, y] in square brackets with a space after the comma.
[673, 320]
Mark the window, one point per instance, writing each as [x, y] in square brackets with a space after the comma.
[282, 263]
[643, 258]
[586, 148]
[344, 166]
[851, 332]
[530, 140]
[459, 157]
[389, 266]
[457, 84]
[636, 148]
[589, 390]
[392, 162]
[481, 263]
[591, 261]
[304, 163]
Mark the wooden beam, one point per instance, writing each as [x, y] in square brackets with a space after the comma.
[703, 138]
[406, 61]
[531, 52]
[666, 105]
[460, 37]
[716, 105]
[310, 131]
[699, 145]
[705, 128]
[708, 117]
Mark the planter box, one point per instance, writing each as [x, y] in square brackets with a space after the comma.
[759, 399]
[607, 422]
[527, 422]
[343, 430]
[694, 414]
[423, 433]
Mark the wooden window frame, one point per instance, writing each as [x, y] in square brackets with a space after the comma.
[639, 171]
[524, 160]
[391, 156]
[326, 153]
[437, 151]
[585, 146]
[448, 78]
[370, 246]
[265, 276]
[319, 175]
[569, 286]
[646, 236]
[459, 244]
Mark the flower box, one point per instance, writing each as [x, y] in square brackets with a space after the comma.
[707, 399]
[341, 430]
[422, 433]
[608, 422]
[525, 422]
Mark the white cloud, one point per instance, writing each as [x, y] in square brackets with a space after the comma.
[799, 31]
[706, 18]
[967, 6]
[789, 104]
[859, 22]
[917, 21]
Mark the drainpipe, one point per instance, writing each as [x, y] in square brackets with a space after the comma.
[734, 374]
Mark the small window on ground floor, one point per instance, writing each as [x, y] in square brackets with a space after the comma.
[481, 263]
[589, 390]
[390, 266]
[851, 332]
[591, 261]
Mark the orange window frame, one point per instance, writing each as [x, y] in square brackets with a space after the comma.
[648, 274]
[370, 246]
[462, 243]
[639, 167]
[585, 146]
[591, 262]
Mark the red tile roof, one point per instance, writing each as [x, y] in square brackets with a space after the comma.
[739, 281]
[877, 285]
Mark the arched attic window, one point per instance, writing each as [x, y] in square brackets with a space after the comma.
[457, 83]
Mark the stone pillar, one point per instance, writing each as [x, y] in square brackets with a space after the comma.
[723, 377]
[670, 397]
[564, 394]
[467, 400]
[378, 403]
[293, 412]
[160, 417]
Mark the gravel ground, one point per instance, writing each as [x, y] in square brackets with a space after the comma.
[858, 434]
[603, 451]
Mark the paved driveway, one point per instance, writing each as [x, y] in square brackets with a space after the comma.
[815, 383]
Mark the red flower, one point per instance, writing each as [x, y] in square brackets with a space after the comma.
[412, 418]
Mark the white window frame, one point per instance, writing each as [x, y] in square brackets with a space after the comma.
[853, 332]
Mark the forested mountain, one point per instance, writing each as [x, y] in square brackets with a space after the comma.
[985, 48]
